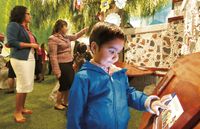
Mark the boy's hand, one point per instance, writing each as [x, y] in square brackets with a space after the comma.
[160, 104]
[154, 103]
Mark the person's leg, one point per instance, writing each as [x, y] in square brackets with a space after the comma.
[11, 83]
[39, 66]
[42, 72]
[23, 99]
[25, 82]
[18, 110]
[68, 81]
[28, 82]
[61, 89]
[58, 104]
[44, 67]
[11, 79]
[36, 70]
[49, 67]
[25, 110]
[59, 97]
[65, 98]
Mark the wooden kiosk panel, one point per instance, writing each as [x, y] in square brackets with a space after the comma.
[184, 80]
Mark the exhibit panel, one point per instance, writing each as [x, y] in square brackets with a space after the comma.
[183, 79]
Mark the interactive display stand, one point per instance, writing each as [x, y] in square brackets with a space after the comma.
[169, 116]
[183, 83]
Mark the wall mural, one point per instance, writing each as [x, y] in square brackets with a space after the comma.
[161, 49]
[158, 49]
[192, 27]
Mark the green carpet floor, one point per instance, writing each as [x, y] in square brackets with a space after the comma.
[44, 116]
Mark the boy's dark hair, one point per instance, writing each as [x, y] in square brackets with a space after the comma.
[59, 25]
[103, 32]
[17, 14]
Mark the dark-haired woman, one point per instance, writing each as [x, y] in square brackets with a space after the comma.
[61, 59]
[23, 44]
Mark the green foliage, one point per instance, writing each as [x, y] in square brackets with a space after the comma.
[45, 13]
[144, 8]
[90, 12]
[6, 6]
[54, 9]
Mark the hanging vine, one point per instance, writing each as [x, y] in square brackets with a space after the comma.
[46, 12]
[144, 8]
[6, 6]
[86, 14]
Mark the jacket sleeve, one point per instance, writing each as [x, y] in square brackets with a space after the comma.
[12, 35]
[53, 56]
[77, 102]
[76, 36]
[136, 99]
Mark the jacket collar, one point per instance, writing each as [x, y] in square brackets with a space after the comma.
[89, 66]
[25, 32]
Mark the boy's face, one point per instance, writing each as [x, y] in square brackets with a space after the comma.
[107, 54]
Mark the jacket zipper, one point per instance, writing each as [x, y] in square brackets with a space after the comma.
[114, 104]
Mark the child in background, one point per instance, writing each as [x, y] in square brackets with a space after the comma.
[100, 95]
[44, 60]
[81, 56]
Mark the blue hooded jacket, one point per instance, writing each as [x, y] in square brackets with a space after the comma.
[100, 101]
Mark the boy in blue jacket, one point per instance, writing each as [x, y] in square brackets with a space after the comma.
[100, 95]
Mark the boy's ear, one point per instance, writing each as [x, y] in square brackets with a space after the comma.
[94, 47]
